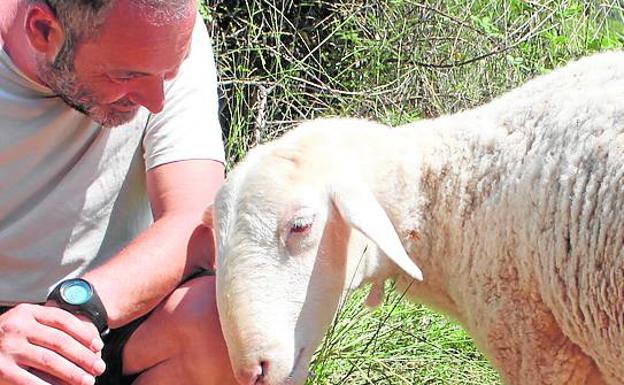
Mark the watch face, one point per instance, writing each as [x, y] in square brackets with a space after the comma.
[76, 292]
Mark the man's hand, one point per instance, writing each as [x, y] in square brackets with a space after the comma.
[41, 343]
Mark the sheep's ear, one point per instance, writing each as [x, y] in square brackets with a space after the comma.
[207, 216]
[359, 207]
[376, 295]
[208, 221]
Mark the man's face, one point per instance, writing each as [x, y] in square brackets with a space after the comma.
[121, 68]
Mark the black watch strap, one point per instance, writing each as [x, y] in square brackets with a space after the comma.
[78, 296]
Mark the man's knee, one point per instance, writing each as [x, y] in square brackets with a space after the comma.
[184, 327]
[192, 309]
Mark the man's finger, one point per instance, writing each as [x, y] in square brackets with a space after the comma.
[54, 364]
[84, 332]
[47, 378]
[15, 375]
[65, 345]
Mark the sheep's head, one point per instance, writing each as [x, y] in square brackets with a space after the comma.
[285, 222]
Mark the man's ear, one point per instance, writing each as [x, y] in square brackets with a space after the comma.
[376, 295]
[44, 31]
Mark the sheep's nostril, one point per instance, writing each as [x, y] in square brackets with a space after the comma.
[255, 374]
[264, 366]
[251, 375]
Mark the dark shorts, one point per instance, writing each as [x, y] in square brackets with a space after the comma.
[114, 343]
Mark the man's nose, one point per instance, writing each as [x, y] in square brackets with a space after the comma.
[150, 94]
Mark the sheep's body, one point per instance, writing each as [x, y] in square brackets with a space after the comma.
[530, 203]
[514, 211]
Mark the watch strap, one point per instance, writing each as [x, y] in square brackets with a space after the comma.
[93, 309]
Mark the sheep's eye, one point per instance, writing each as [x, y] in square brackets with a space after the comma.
[301, 225]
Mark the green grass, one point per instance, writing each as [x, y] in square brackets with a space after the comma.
[398, 343]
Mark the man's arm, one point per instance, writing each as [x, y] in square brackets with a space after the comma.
[133, 282]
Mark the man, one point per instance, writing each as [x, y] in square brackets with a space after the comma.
[104, 104]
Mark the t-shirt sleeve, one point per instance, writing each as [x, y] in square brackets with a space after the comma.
[188, 126]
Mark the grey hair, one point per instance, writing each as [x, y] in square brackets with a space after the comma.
[81, 19]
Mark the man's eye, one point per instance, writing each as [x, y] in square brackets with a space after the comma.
[124, 78]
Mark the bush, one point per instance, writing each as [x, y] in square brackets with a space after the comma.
[395, 60]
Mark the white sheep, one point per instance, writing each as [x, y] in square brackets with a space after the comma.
[514, 211]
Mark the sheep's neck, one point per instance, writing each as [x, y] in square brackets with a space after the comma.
[443, 169]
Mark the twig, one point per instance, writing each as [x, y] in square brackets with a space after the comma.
[260, 121]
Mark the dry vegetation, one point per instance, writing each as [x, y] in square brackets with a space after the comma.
[394, 60]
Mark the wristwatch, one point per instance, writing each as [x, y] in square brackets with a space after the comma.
[78, 296]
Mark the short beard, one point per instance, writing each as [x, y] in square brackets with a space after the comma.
[60, 76]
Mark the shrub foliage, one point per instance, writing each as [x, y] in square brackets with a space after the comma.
[283, 61]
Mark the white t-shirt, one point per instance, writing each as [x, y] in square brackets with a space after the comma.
[72, 193]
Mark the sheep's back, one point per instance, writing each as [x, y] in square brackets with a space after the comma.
[567, 185]
[528, 189]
